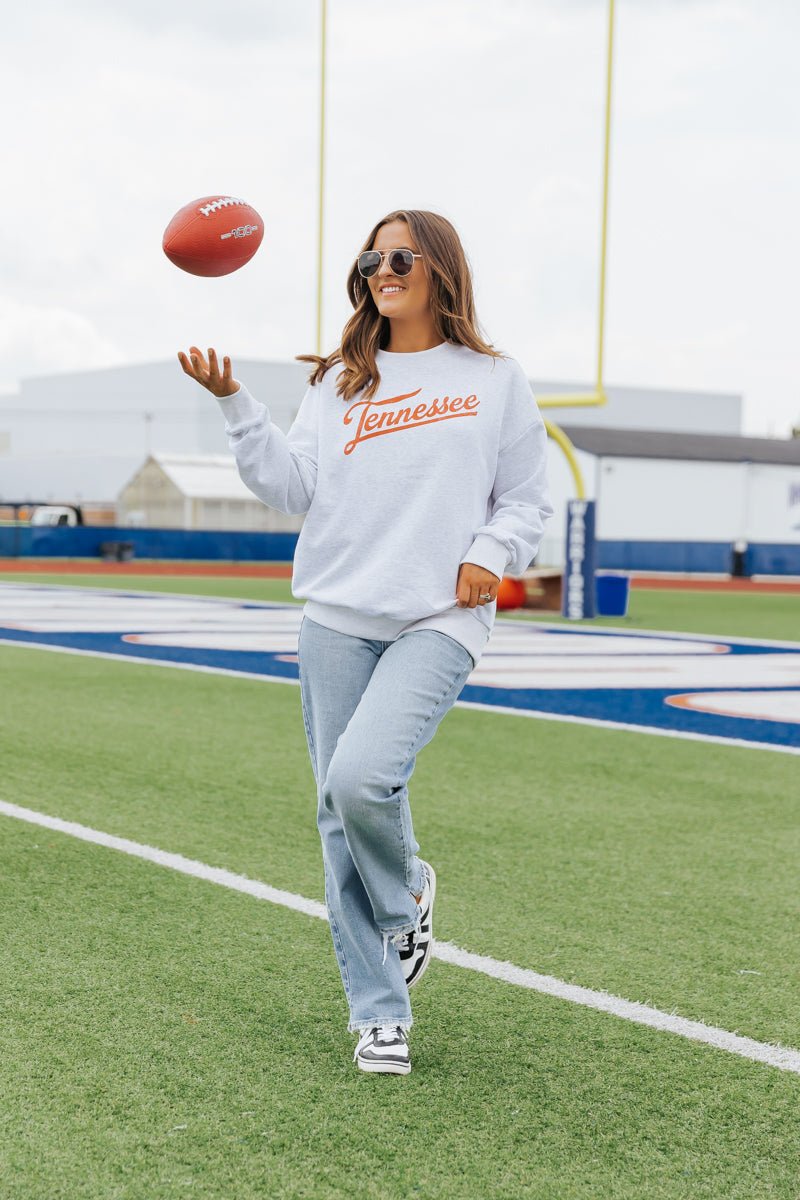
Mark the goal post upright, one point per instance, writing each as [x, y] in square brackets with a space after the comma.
[597, 397]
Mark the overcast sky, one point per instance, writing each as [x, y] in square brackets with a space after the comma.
[119, 112]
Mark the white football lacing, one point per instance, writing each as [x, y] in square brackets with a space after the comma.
[222, 202]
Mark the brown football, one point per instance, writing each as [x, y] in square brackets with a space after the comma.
[213, 236]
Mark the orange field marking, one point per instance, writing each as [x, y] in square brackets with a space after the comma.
[688, 583]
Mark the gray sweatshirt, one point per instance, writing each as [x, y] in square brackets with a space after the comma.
[444, 465]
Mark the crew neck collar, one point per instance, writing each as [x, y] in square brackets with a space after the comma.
[400, 356]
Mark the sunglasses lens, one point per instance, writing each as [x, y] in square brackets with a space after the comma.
[368, 263]
[401, 261]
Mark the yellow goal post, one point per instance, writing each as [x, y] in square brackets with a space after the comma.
[598, 396]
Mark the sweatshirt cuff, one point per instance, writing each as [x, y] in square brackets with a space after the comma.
[239, 406]
[488, 553]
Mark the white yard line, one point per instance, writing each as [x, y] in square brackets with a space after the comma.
[784, 1058]
[489, 708]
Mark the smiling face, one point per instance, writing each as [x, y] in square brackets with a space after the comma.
[399, 296]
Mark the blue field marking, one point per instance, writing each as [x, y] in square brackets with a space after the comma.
[736, 690]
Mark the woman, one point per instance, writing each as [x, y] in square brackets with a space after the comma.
[403, 546]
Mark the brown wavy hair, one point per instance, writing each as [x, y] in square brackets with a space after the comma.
[452, 305]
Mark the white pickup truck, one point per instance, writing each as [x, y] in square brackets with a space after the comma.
[52, 514]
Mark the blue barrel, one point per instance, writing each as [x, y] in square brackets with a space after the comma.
[611, 592]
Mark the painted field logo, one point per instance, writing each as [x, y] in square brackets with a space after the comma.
[743, 692]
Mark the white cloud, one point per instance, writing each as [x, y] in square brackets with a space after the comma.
[37, 340]
[184, 22]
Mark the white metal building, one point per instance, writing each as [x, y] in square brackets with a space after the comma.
[80, 436]
[152, 433]
[655, 486]
[182, 491]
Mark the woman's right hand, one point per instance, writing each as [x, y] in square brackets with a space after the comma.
[207, 373]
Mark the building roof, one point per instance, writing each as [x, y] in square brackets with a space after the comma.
[699, 447]
[204, 476]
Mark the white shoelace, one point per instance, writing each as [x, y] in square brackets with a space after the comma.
[399, 939]
[387, 1033]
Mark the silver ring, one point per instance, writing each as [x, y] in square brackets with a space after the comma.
[488, 596]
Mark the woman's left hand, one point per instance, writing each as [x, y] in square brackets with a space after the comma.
[474, 582]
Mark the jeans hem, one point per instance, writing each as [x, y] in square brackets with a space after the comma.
[405, 1024]
[407, 926]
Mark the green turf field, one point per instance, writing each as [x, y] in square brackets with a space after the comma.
[165, 1037]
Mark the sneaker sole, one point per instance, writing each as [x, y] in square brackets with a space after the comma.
[384, 1068]
[429, 954]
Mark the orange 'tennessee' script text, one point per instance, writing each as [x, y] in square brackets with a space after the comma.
[372, 422]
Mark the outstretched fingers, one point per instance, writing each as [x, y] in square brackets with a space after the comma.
[213, 367]
[221, 383]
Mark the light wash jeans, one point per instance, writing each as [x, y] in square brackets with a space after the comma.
[369, 707]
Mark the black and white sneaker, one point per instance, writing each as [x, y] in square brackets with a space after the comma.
[415, 948]
[383, 1048]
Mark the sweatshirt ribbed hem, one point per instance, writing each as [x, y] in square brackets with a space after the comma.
[347, 620]
[461, 624]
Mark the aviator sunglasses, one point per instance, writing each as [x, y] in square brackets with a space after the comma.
[400, 261]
